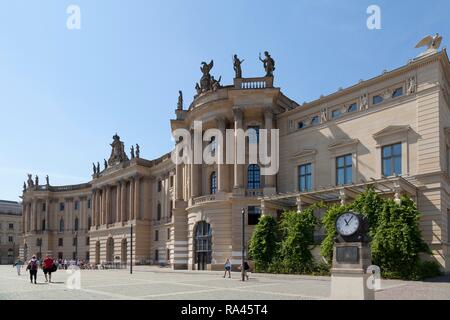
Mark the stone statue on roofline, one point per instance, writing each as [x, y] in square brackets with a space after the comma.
[237, 66]
[132, 152]
[431, 42]
[138, 151]
[269, 64]
[180, 100]
[118, 153]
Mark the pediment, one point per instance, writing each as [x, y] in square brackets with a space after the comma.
[389, 130]
[340, 143]
[304, 153]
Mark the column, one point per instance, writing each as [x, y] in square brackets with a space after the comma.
[131, 200]
[343, 197]
[108, 205]
[33, 216]
[179, 182]
[238, 168]
[123, 201]
[137, 193]
[94, 207]
[47, 214]
[195, 173]
[118, 202]
[38, 215]
[299, 204]
[222, 168]
[269, 181]
[103, 203]
[24, 210]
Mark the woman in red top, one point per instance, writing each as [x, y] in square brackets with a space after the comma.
[48, 268]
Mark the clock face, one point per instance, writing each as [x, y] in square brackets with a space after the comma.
[347, 224]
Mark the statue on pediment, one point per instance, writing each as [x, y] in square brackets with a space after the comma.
[98, 167]
[138, 151]
[118, 154]
[36, 181]
[132, 152]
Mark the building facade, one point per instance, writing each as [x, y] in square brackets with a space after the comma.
[10, 231]
[391, 132]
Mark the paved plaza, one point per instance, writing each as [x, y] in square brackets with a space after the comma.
[160, 283]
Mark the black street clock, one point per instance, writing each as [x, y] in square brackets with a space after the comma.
[351, 227]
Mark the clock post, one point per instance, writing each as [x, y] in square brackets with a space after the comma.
[351, 258]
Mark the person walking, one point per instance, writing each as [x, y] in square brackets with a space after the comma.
[18, 264]
[227, 268]
[246, 269]
[47, 265]
[33, 267]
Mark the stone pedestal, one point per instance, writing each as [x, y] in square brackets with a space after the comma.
[348, 275]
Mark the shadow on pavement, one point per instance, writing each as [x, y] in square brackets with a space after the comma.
[443, 279]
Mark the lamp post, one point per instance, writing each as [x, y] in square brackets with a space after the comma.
[76, 248]
[131, 250]
[243, 245]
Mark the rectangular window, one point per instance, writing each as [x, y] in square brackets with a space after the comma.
[61, 206]
[253, 134]
[305, 177]
[168, 254]
[344, 170]
[392, 160]
[159, 185]
[89, 203]
[156, 255]
[397, 92]
[11, 226]
[168, 233]
[254, 213]
[87, 256]
[60, 255]
[77, 205]
[74, 255]
[60, 242]
[335, 113]
[43, 207]
[377, 99]
[11, 239]
[87, 241]
[352, 108]
[156, 235]
[75, 241]
[171, 181]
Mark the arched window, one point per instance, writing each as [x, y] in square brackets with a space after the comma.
[61, 225]
[76, 224]
[253, 177]
[158, 211]
[213, 182]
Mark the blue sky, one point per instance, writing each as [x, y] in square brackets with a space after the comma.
[64, 93]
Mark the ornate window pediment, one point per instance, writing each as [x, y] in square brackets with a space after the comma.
[390, 130]
[304, 153]
[341, 143]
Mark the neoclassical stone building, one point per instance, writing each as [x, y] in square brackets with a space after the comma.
[392, 132]
[10, 231]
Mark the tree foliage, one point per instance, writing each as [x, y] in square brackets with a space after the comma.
[263, 246]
